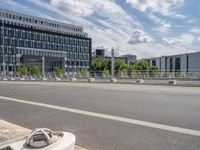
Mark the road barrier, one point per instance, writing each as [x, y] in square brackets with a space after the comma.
[106, 75]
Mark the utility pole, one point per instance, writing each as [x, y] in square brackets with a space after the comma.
[112, 63]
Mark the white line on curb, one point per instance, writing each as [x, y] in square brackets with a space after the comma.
[109, 117]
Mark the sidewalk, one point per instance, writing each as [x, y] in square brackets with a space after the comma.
[10, 132]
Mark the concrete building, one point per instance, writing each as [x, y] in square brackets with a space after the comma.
[129, 58]
[184, 62]
[100, 53]
[26, 39]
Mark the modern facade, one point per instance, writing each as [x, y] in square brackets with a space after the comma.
[129, 58]
[184, 62]
[26, 39]
[100, 53]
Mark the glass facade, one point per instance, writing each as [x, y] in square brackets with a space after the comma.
[19, 43]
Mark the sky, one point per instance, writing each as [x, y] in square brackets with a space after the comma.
[146, 28]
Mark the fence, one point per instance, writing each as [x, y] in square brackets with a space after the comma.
[142, 74]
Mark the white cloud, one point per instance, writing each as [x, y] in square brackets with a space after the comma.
[109, 24]
[187, 38]
[164, 7]
[139, 36]
[182, 40]
[105, 21]
[195, 31]
[27, 9]
[198, 38]
[163, 26]
[172, 41]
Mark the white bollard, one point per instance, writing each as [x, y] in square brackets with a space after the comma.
[44, 139]
[57, 79]
[139, 81]
[173, 82]
[113, 80]
[4, 79]
[91, 79]
[44, 79]
[72, 79]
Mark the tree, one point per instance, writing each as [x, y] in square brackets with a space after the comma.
[100, 64]
[119, 65]
[59, 71]
[35, 70]
[22, 69]
[141, 65]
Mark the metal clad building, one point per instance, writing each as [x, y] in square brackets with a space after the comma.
[26, 39]
[184, 62]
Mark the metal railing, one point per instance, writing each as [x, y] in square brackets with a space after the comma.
[142, 74]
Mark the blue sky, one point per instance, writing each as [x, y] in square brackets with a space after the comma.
[147, 28]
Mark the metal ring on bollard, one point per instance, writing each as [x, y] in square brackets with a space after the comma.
[40, 137]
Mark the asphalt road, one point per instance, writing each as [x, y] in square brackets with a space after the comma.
[168, 106]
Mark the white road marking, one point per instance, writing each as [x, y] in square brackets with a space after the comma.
[109, 117]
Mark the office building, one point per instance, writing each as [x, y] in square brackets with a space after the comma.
[129, 58]
[184, 62]
[26, 39]
[100, 53]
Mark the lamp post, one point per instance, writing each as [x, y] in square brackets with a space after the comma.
[3, 50]
[43, 67]
[112, 63]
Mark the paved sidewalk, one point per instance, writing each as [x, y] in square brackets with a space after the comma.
[10, 131]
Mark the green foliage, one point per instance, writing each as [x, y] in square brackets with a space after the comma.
[106, 73]
[59, 71]
[84, 72]
[101, 64]
[119, 64]
[35, 70]
[22, 70]
[198, 75]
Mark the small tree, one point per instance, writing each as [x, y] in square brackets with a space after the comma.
[22, 70]
[59, 71]
[35, 70]
[84, 72]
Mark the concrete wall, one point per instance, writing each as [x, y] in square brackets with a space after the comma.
[188, 62]
[194, 61]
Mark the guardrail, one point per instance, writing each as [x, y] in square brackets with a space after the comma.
[142, 74]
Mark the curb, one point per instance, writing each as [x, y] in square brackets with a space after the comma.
[10, 132]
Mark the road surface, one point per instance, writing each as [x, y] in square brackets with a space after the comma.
[108, 116]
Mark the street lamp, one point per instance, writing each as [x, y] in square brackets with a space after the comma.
[112, 63]
[3, 52]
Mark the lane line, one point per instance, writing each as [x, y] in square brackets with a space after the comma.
[109, 117]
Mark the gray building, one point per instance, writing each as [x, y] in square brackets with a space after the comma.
[129, 58]
[183, 62]
[26, 39]
[100, 53]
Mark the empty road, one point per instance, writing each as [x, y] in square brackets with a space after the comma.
[108, 116]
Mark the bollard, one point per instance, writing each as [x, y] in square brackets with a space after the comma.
[139, 81]
[44, 79]
[113, 80]
[91, 79]
[57, 79]
[72, 79]
[43, 139]
[173, 82]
